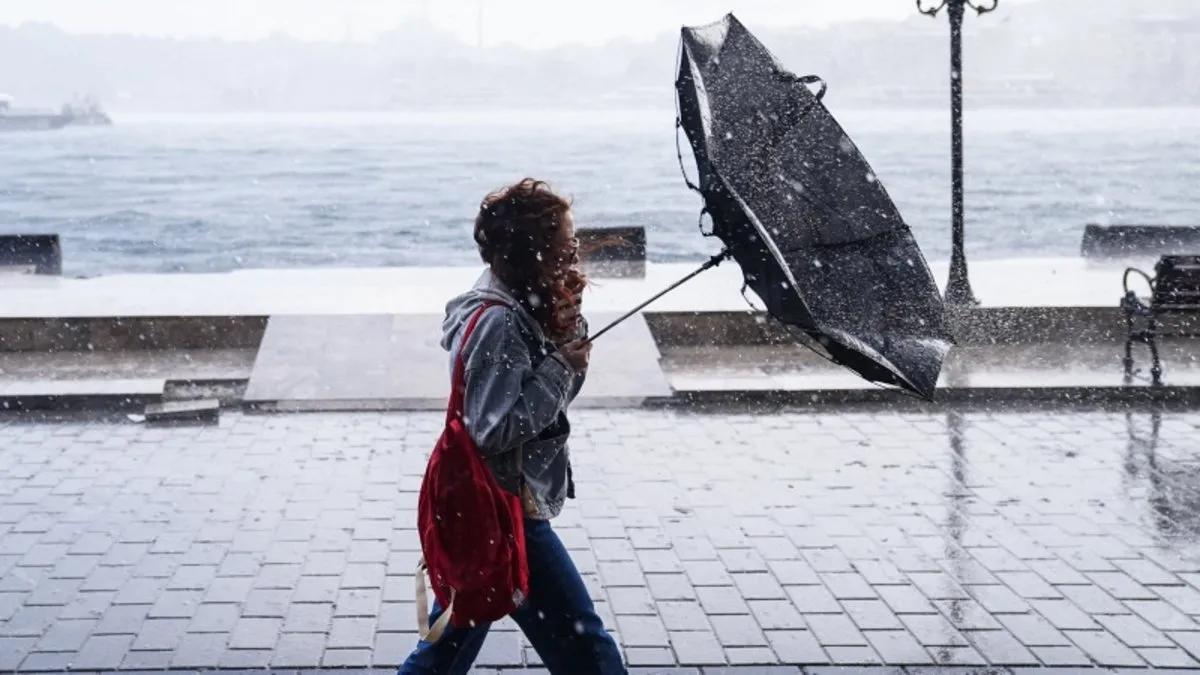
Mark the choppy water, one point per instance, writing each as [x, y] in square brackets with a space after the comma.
[182, 193]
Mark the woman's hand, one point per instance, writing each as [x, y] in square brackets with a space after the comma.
[569, 309]
[577, 353]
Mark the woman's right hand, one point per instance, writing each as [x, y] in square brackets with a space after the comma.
[577, 353]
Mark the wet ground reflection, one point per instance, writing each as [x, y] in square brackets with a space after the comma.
[1168, 483]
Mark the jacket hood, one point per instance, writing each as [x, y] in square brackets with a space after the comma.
[460, 308]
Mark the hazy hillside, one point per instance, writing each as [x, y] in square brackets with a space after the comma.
[1054, 53]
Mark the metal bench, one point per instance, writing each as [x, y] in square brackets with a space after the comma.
[1174, 289]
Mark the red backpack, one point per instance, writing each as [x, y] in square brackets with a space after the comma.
[472, 531]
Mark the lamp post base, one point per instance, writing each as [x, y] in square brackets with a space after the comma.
[958, 288]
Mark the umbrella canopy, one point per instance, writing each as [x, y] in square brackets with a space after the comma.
[798, 206]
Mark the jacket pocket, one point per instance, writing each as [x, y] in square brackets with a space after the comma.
[538, 456]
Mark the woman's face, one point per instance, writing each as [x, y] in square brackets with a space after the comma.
[566, 246]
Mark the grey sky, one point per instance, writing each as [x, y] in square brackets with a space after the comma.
[534, 22]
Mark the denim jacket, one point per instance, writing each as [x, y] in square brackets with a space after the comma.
[517, 392]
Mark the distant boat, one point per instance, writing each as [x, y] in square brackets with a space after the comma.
[83, 113]
[86, 112]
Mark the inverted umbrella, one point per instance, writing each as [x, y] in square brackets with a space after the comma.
[799, 209]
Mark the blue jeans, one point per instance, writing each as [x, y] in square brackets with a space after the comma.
[559, 620]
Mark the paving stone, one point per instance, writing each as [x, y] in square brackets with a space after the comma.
[1059, 573]
[255, 633]
[631, 600]
[835, 630]
[298, 650]
[747, 656]
[738, 631]
[718, 600]
[876, 572]
[758, 586]
[44, 661]
[636, 657]
[359, 602]
[967, 614]
[814, 600]
[314, 589]
[1134, 632]
[350, 633]
[1189, 641]
[670, 587]
[697, 648]
[999, 599]
[1171, 657]
[176, 604]
[1146, 572]
[933, 630]
[349, 658]
[160, 634]
[1162, 615]
[1062, 656]
[1033, 630]
[904, 600]
[1028, 585]
[743, 560]
[501, 650]
[311, 618]
[798, 647]
[394, 617]
[898, 647]
[1000, 648]
[1184, 598]
[215, 618]
[1121, 586]
[1105, 649]
[642, 631]
[776, 615]
[14, 650]
[852, 656]
[31, 621]
[266, 604]
[848, 586]
[948, 657]
[708, 573]
[621, 574]
[102, 652]
[122, 620]
[683, 616]
[1093, 600]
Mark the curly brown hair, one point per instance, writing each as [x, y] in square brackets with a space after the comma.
[517, 233]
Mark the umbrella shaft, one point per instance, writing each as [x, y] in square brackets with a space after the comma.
[711, 263]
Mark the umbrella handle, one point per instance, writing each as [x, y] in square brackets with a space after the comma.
[711, 263]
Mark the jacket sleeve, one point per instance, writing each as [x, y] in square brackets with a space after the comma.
[507, 401]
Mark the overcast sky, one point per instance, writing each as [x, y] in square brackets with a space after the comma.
[538, 23]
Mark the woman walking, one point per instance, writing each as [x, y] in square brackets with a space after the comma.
[524, 362]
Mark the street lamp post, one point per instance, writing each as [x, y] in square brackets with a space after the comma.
[958, 287]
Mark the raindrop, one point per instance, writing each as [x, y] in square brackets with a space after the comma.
[728, 135]
[579, 628]
[845, 144]
[871, 177]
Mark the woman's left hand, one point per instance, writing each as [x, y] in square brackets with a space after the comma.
[570, 309]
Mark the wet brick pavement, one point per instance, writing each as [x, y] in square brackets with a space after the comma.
[1007, 538]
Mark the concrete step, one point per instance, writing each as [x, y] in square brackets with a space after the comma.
[89, 394]
[395, 362]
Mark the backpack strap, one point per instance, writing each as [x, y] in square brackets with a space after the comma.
[426, 632]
